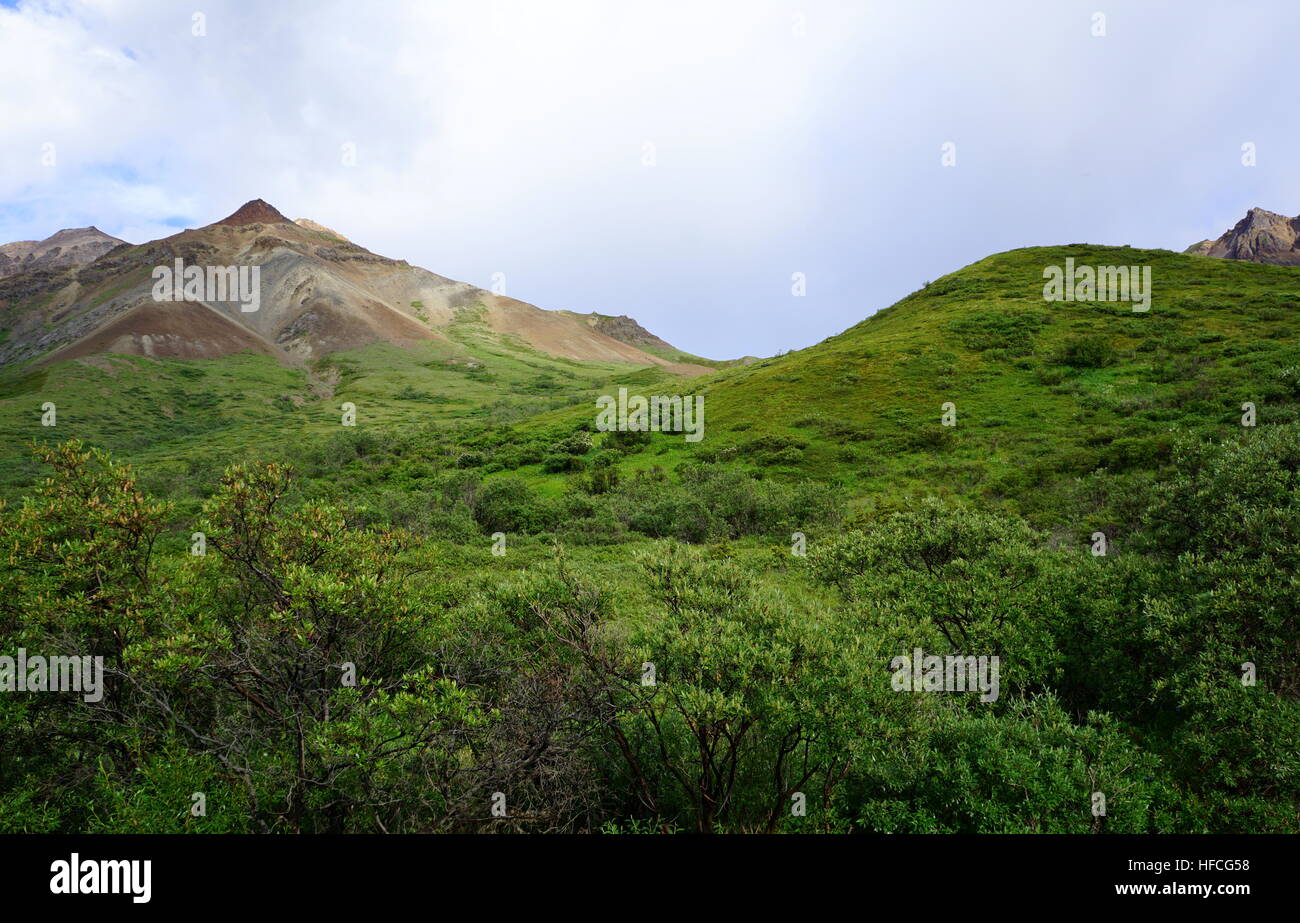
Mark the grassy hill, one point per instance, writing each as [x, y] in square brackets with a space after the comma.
[1055, 402]
[501, 574]
[173, 411]
[1049, 396]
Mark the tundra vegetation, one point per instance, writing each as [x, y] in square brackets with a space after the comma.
[646, 652]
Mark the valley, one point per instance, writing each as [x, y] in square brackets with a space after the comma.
[400, 472]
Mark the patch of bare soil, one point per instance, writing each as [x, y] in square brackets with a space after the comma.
[323, 383]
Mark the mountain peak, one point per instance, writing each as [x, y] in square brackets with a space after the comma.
[1262, 236]
[317, 294]
[59, 237]
[61, 250]
[256, 211]
[1256, 215]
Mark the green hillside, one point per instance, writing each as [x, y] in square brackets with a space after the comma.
[630, 632]
[170, 411]
[1054, 400]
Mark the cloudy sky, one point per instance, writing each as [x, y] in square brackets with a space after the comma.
[675, 161]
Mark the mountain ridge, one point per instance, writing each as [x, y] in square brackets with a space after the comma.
[1261, 237]
[68, 248]
[318, 293]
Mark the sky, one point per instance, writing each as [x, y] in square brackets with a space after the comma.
[679, 162]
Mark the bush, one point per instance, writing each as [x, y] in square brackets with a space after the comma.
[1009, 333]
[577, 444]
[628, 442]
[1087, 352]
[557, 464]
[506, 504]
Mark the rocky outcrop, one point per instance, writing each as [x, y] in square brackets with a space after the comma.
[1261, 237]
[66, 249]
[625, 330]
[320, 229]
[255, 212]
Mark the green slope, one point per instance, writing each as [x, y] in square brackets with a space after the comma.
[1046, 393]
[208, 412]
[1058, 404]
[1122, 672]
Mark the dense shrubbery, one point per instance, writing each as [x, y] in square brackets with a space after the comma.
[1093, 351]
[699, 503]
[1009, 331]
[678, 688]
[716, 502]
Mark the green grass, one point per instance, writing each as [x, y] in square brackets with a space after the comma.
[1066, 415]
[150, 411]
[861, 409]
[866, 404]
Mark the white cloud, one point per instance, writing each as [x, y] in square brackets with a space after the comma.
[509, 136]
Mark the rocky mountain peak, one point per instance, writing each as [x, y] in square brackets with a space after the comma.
[1260, 237]
[256, 211]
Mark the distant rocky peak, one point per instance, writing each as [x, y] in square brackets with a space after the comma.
[255, 212]
[1260, 237]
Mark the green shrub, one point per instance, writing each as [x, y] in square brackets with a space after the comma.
[1086, 352]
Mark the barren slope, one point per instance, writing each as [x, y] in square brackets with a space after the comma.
[319, 293]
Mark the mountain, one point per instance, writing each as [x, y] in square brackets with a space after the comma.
[317, 293]
[1053, 401]
[252, 212]
[320, 229]
[65, 249]
[627, 330]
[1261, 237]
